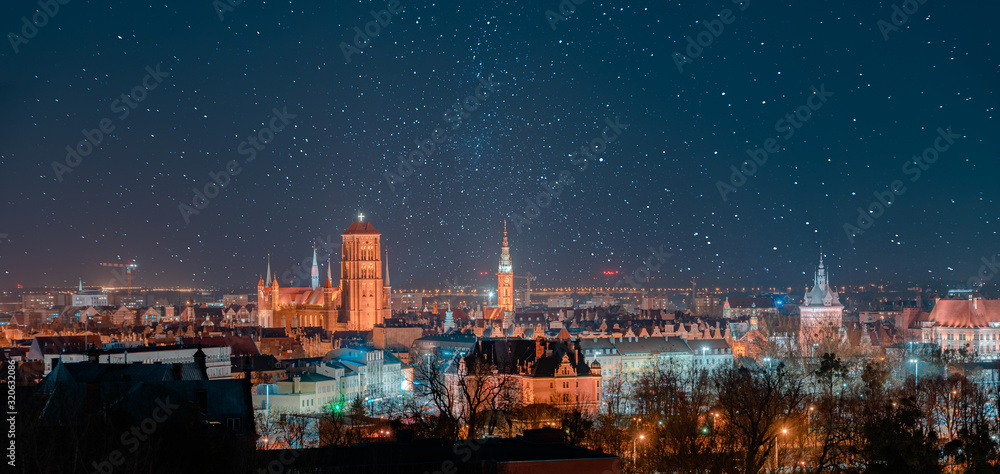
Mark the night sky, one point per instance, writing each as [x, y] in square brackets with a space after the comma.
[655, 185]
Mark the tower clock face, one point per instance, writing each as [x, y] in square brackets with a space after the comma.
[506, 279]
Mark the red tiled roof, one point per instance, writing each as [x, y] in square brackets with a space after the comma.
[965, 313]
[361, 228]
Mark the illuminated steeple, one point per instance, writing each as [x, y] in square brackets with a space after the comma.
[329, 272]
[505, 277]
[268, 282]
[315, 270]
[505, 265]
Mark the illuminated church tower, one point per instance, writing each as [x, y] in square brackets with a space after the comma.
[505, 277]
[315, 270]
[362, 299]
[821, 314]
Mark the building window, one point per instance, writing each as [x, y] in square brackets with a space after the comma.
[233, 423]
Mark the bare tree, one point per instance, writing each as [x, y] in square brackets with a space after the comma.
[480, 389]
[442, 398]
[754, 404]
[675, 413]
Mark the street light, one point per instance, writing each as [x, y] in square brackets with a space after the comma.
[777, 446]
[640, 438]
[916, 370]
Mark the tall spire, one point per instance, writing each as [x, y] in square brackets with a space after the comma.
[387, 268]
[329, 274]
[268, 282]
[81, 286]
[315, 269]
[505, 264]
[821, 255]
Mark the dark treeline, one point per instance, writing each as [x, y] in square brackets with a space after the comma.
[817, 415]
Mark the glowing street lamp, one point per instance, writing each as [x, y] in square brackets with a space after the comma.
[916, 370]
[640, 438]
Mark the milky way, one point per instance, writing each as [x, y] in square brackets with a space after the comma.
[237, 74]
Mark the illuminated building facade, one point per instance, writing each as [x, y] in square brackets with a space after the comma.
[821, 313]
[359, 303]
[505, 277]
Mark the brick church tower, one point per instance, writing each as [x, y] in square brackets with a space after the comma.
[362, 299]
[505, 277]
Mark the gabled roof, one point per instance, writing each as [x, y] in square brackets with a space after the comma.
[57, 344]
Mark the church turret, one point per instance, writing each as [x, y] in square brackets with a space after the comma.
[315, 270]
[274, 294]
[268, 281]
[387, 289]
[449, 318]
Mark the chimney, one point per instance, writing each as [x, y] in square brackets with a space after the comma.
[296, 384]
[539, 349]
[200, 361]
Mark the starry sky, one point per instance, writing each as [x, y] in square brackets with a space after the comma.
[226, 69]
